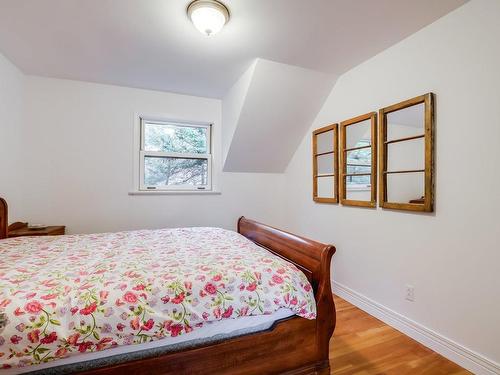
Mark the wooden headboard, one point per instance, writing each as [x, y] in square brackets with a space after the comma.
[3, 218]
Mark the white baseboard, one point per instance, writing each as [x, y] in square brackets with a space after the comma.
[457, 353]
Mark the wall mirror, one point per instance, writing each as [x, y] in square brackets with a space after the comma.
[325, 164]
[358, 153]
[406, 155]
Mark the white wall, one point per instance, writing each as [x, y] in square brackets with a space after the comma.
[11, 134]
[452, 257]
[81, 170]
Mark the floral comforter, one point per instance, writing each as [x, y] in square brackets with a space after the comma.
[65, 295]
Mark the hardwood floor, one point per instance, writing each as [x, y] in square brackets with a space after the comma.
[364, 345]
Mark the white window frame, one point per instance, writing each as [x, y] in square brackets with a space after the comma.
[143, 154]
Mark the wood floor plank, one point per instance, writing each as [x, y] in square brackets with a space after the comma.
[363, 345]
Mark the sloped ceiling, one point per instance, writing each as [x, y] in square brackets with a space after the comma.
[151, 44]
[267, 112]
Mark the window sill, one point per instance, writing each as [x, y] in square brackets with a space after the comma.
[175, 192]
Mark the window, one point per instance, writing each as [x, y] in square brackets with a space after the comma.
[175, 156]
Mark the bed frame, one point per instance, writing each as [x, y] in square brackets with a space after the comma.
[292, 346]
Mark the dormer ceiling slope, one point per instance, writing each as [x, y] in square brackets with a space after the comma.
[267, 112]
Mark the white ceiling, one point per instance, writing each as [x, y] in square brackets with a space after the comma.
[151, 44]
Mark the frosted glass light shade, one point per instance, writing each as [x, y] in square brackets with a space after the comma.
[208, 16]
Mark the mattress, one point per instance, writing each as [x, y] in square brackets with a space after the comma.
[66, 296]
[211, 332]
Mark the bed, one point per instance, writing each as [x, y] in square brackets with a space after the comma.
[288, 332]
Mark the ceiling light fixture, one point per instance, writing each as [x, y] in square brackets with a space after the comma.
[208, 16]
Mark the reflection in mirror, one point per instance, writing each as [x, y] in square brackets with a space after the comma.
[325, 164]
[324, 142]
[405, 187]
[407, 122]
[358, 188]
[325, 187]
[358, 161]
[359, 134]
[406, 157]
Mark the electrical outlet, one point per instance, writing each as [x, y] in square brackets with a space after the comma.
[410, 293]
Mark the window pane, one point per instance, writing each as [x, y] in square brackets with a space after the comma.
[356, 181]
[404, 187]
[358, 134]
[174, 138]
[407, 155]
[324, 142]
[359, 161]
[325, 187]
[406, 122]
[325, 164]
[358, 168]
[160, 171]
[358, 188]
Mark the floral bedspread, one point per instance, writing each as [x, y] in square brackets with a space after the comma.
[65, 295]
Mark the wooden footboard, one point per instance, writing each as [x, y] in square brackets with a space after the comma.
[313, 258]
[291, 346]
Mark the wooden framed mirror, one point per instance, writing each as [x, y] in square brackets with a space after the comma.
[358, 161]
[407, 155]
[325, 164]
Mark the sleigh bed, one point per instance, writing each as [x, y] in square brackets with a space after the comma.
[290, 344]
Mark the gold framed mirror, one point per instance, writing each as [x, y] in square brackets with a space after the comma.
[407, 155]
[325, 164]
[358, 161]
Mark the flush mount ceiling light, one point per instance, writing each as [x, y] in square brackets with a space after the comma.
[208, 16]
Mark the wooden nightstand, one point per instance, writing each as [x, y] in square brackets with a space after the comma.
[21, 230]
